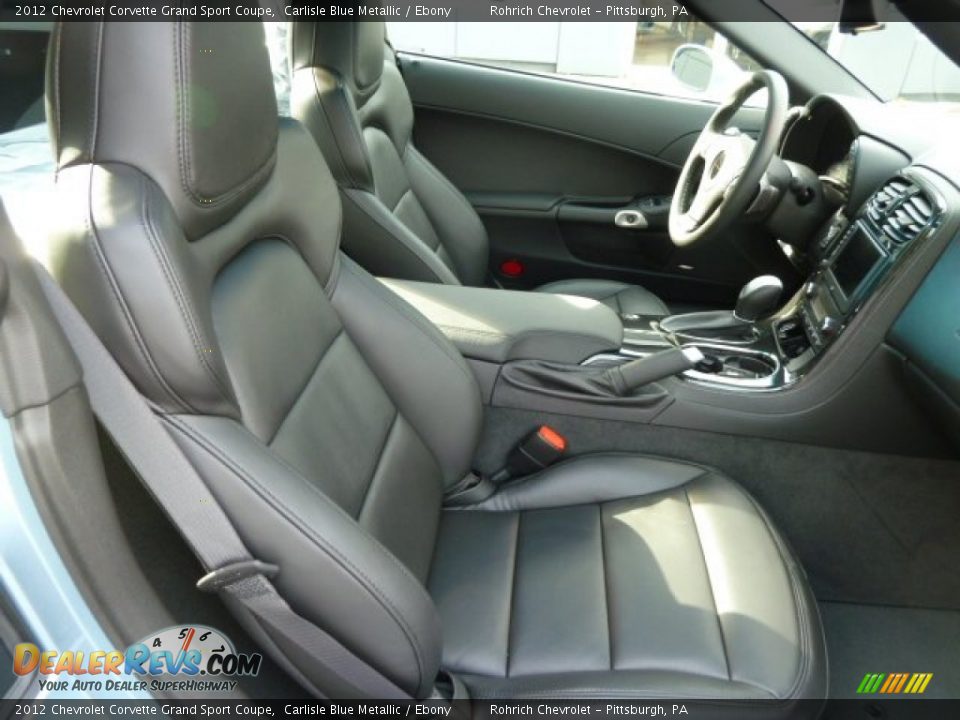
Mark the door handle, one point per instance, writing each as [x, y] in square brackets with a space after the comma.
[630, 218]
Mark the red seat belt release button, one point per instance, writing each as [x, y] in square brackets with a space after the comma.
[538, 450]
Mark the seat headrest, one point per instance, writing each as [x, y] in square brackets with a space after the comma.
[191, 105]
[352, 50]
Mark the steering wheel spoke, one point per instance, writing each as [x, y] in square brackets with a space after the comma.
[724, 166]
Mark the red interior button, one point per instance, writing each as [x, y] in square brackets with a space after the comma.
[511, 268]
[552, 438]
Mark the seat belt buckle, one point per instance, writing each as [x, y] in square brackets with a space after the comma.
[538, 450]
[217, 580]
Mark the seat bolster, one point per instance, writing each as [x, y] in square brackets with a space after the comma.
[384, 246]
[625, 299]
[332, 571]
[422, 372]
[324, 105]
[457, 224]
[120, 254]
[768, 616]
[592, 479]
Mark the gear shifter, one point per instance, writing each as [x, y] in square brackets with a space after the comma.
[759, 298]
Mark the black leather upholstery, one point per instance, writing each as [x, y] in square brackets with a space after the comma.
[624, 299]
[328, 416]
[622, 576]
[402, 217]
[185, 128]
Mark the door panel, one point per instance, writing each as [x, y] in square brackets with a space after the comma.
[547, 163]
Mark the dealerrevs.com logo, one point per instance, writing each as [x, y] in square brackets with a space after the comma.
[192, 658]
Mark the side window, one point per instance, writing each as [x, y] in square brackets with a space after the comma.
[23, 54]
[682, 58]
[277, 37]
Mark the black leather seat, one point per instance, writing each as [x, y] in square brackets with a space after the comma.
[402, 217]
[200, 239]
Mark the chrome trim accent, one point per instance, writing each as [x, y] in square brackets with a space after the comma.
[688, 338]
[778, 379]
[630, 218]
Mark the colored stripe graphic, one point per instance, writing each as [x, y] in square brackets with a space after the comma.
[894, 683]
[870, 683]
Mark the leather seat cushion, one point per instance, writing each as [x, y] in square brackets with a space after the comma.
[624, 576]
[624, 299]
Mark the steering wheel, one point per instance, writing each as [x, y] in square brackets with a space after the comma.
[721, 175]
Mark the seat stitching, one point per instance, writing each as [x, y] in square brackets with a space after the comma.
[404, 194]
[121, 301]
[386, 296]
[95, 105]
[403, 243]
[798, 596]
[305, 528]
[606, 586]
[357, 130]
[451, 188]
[706, 566]
[299, 394]
[181, 42]
[409, 193]
[280, 460]
[323, 109]
[382, 451]
[176, 288]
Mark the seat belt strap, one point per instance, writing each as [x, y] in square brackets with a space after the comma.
[181, 492]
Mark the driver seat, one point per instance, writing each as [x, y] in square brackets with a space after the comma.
[402, 217]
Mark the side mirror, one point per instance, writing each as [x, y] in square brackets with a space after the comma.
[692, 65]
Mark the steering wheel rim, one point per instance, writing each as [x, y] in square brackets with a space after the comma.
[723, 170]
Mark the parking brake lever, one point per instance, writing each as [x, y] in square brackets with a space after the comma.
[626, 378]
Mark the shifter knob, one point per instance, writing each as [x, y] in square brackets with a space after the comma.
[759, 298]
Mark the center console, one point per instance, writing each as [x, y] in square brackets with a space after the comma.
[812, 368]
[853, 258]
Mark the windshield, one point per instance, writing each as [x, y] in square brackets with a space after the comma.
[895, 61]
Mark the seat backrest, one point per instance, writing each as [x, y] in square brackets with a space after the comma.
[200, 239]
[402, 217]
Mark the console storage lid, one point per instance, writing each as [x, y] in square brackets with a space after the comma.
[501, 325]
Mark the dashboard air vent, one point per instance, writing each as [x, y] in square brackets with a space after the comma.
[901, 210]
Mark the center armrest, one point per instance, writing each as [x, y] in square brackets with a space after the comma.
[500, 325]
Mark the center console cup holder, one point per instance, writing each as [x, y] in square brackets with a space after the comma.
[737, 366]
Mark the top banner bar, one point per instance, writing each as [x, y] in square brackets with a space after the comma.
[448, 10]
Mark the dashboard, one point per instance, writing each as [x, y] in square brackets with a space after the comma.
[820, 138]
[893, 233]
[850, 161]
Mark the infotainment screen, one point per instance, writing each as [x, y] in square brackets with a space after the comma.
[855, 261]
